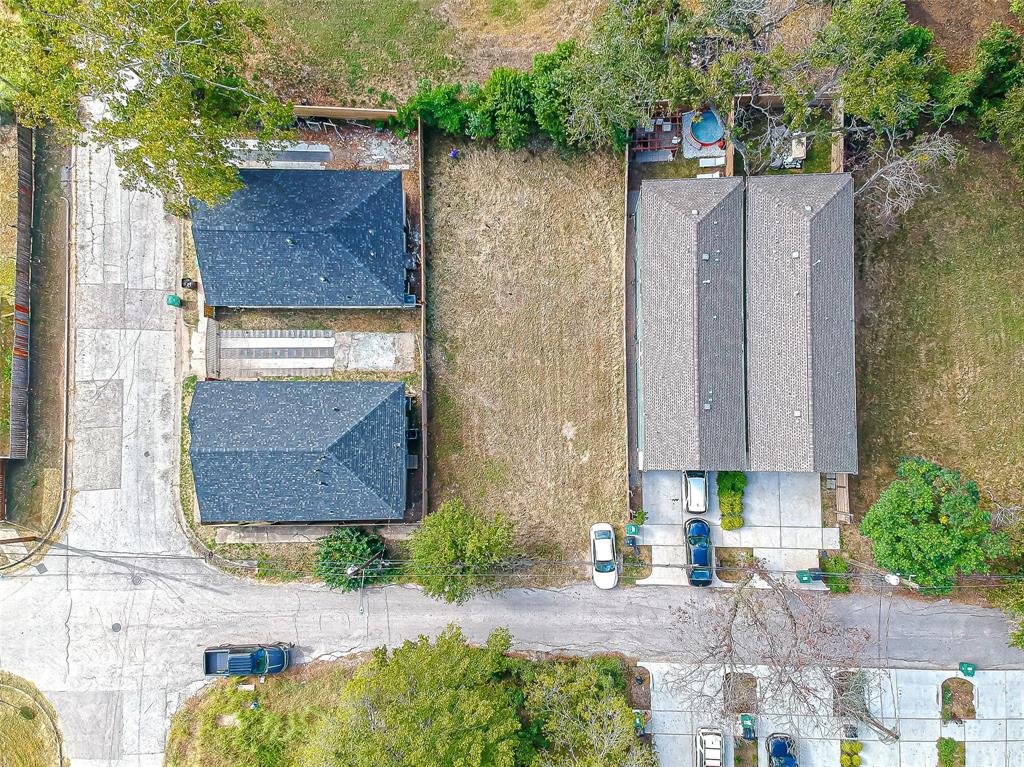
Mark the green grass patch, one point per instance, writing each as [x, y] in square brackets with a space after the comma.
[514, 10]
[952, 753]
[27, 736]
[355, 47]
[835, 569]
[940, 342]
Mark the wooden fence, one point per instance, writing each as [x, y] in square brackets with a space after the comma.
[22, 299]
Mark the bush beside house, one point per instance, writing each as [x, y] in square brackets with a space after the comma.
[730, 498]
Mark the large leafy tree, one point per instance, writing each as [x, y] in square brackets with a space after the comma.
[426, 705]
[928, 524]
[458, 552]
[584, 717]
[163, 83]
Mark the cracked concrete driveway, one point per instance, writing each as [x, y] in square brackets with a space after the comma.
[112, 631]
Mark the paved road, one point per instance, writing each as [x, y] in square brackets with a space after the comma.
[113, 638]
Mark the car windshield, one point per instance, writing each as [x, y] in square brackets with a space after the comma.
[698, 540]
[259, 662]
[701, 576]
[603, 535]
[604, 567]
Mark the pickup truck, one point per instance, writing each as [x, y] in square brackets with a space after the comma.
[246, 660]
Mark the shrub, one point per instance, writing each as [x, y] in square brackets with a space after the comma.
[347, 547]
[504, 109]
[731, 481]
[855, 760]
[844, 760]
[732, 521]
[438, 106]
[551, 84]
[835, 568]
[640, 517]
[948, 751]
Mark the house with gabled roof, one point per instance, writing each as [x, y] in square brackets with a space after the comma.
[299, 451]
[745, 324]
[293, 238]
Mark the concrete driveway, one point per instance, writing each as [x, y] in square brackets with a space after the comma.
[782, 523]
[112, 631]
[905, 700]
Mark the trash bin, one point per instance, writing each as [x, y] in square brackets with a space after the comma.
[174, 300]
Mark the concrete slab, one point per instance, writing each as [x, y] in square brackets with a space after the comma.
[915, 754]
[800, 499]
[1014, 753]
[97, 404]
[375, 351]
[99, 306]
[801, 537]
[830, 538]
[986, 754]
[674, 574]
[145, 309]
[97, 458]
[661, 535]
[761, 500]
[82, 715]
[662, 491]
[985, 729]
[760, 537]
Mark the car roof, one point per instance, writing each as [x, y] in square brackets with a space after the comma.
[698, 527]
[603, 549]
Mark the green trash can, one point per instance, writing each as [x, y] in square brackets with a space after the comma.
[968, 669]
[174, 300]
[632, 529]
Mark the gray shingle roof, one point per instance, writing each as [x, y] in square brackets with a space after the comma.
[305, 238]
[690, 324]
[308, 451]
[801, 377]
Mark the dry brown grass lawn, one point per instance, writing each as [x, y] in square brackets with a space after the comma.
[525, 365]
[27, 734]
[941, 338]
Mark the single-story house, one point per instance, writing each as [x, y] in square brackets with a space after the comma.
[305, 239]
[299, 451]
[745, 324]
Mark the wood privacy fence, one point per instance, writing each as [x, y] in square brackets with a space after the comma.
[22, 299]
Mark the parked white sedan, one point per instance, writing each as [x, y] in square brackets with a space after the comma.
[602, 555]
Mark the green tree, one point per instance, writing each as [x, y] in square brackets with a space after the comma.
[440, 704]
[165, 84]
[438, 106]
[457, 552]
[928, 524]
[885, 66]
[584, 716]
[351, 547]
[998, 67]
[1006, 123]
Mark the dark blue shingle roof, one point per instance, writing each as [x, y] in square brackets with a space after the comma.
[306, 451]
[305, 238]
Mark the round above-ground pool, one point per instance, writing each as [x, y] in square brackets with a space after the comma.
[706, 128]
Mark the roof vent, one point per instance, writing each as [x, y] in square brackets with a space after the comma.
[706, 282]
[705, 256]
[807, 208]
[796, 254]
[695, 212]
[707, 405]
[796, 292]
[289, 241]
[796, 413]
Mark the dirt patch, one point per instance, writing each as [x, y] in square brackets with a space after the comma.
[639, 687]
[636, 568]
[959, 25]
[337, 320]
[525, 347]
[732, 562]
[744, 752]
[941, 336]
[740, 693]
[957, 700]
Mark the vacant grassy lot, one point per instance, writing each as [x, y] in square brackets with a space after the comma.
[350, 50]
[941, 339]
[8, 258]
[525, 351]
[27, 736]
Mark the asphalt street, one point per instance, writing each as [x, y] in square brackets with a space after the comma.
[112, 630]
